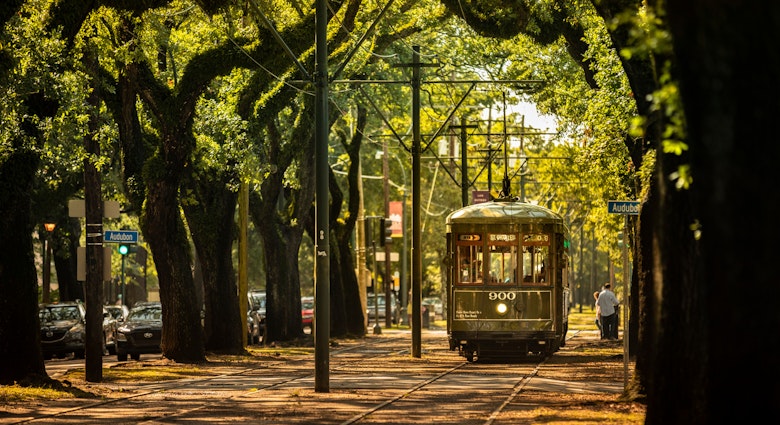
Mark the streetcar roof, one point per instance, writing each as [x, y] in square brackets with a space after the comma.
[500, 211]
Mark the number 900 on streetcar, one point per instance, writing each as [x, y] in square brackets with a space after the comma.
[507, 280]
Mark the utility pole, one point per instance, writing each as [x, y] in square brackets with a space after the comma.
[387, 280]
[464, 173]
[322, 225]
[93, 204]
[416, 237]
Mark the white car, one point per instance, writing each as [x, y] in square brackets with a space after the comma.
[438, 307]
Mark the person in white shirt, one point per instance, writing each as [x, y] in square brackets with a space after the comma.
[598, 314]
[606, 304]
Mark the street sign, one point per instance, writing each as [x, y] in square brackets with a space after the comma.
[623, 207]
[121, 236]
[480, 196]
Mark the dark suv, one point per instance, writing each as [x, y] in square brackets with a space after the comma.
[140, 333]
[62, 329]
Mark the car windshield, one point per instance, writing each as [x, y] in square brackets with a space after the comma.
[258, 300]
[116, 313]
[145, 314]
[370, 300]
[54, 313]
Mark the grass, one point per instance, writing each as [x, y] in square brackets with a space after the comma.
[166, 372]
[582, 321]
[16, 392]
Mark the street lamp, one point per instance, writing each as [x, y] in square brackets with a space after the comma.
[46, 290]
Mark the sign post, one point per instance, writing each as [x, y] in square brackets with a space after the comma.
[626, 208]
[122, 237]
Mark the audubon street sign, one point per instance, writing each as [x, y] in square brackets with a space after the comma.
[623, 207]
[121, 236]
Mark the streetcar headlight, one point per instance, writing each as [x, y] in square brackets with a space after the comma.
[501, 308]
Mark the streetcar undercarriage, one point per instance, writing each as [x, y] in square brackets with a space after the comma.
[502, 346]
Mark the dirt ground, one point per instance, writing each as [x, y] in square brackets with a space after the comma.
[581, 384]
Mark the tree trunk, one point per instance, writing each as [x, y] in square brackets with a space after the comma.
[182, 336]
[351, 308]
[720, 319]
[211, 221]
[64, 254]
[20, 340]
[283, 287]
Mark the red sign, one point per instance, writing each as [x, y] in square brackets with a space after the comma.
[480, 196]
[396, 215]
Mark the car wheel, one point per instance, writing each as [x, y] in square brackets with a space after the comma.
[135, 356]
[78, 354]
[122, 357]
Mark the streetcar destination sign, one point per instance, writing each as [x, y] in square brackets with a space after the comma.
[121, 236]
[623, 207]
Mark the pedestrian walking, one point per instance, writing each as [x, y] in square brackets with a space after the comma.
[607, 303]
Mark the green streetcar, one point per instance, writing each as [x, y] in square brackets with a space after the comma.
[507, 280]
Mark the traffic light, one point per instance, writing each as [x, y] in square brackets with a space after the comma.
[124, 249]
[369, 235]
[386, 235]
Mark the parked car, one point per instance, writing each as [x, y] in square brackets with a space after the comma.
[113, 316]
[252, 328]
[436, 304]
[118, 312]
[307, 314]
[62, 329]
[257, 309]
[141, 332]
[110, 325]
[370, 308]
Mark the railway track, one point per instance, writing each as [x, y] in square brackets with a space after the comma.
[373, 380]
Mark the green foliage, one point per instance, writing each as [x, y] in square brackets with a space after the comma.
[223, 49]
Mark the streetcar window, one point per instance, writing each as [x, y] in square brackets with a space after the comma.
[536, 261]
[470, 264]
[503, 258]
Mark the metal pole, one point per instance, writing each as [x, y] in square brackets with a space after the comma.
[322, 225]
[243, 257]
[375, 283]
[626, 303]
[416, 239]
[464, 173]
[404, 258]
[583, 295]
[387, 279]
[122, 281]
[46, 290]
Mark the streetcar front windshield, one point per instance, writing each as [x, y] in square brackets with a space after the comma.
[536, 253]
[503, 258]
